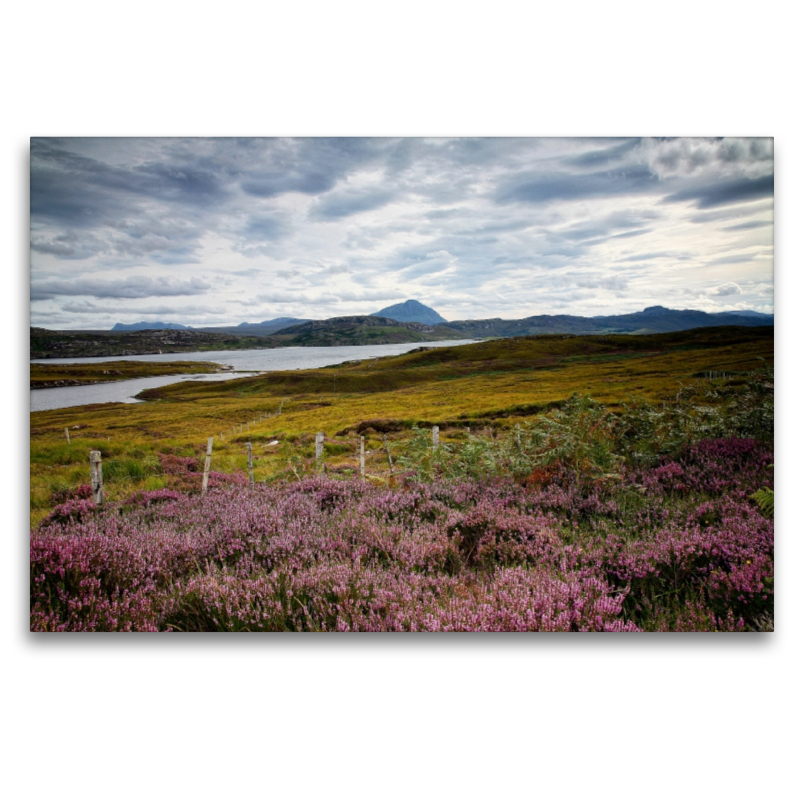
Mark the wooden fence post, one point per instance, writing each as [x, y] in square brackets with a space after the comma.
[320, 438]
[96, 468]
[207, 467]
[363, 465]
[435, 435]
[66, 430]
[250, 465]
[388, 455]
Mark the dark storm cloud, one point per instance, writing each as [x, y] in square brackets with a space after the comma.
[134, 287]
[69, 187]
[546, 187]
[721, 193]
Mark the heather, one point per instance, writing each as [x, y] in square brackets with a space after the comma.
[669, 542]
[578, 484]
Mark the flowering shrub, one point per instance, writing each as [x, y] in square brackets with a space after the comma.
[676, 546]
[71, 510]
[149, 498]
[81, 492]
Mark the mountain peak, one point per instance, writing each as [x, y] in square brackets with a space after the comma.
[411, 311]
[655, 310]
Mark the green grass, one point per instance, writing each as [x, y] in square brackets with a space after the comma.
[488, 386]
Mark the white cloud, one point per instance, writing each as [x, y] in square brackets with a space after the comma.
[338, 227]
[725, 289]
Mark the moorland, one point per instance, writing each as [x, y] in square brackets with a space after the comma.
[614, 482]
[43, 376]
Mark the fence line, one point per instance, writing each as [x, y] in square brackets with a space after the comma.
[95, 456]
[96, 470]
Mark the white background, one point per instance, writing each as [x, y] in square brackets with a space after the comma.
[396, 716]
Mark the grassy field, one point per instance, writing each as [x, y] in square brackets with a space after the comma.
[45, 375]
[488, 387]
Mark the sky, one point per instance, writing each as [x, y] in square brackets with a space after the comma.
[218, 231]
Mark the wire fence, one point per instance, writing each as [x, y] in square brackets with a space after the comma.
[376, 462]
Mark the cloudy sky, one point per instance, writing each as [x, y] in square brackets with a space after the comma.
[222, 231]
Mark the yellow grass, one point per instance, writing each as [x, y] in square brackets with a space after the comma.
[478, 385]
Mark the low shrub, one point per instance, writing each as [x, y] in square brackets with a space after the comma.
[677, 546]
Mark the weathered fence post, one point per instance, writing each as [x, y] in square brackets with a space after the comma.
[280, 409]
[250, 465]
[96, 468]
[363, 467]
[388, 455]
[435, 435]
[207, 467]
[320, 438]
[66, 430]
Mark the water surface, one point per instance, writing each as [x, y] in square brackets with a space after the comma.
[116, 392]
[241, 360]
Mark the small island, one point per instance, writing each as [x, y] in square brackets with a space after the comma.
[48, 376]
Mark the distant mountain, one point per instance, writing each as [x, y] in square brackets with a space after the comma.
[411, 311]
[746, 314]
[157, 337]
[263, 329]
[655, 319]
[277, 322]
[360, 330]
[151, 326]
